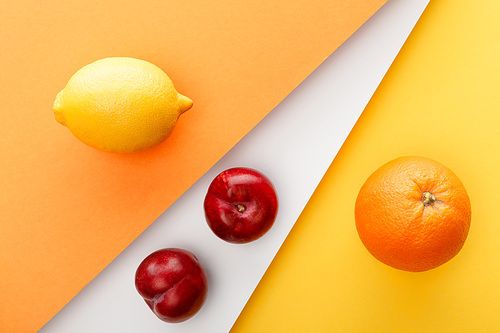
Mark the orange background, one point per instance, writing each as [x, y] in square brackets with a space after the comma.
[66, 209]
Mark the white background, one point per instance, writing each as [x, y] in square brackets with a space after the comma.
[293, 146]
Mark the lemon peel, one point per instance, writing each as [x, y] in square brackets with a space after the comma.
[120, 104]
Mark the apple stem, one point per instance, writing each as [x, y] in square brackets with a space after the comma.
[241, 208]
[428, 198]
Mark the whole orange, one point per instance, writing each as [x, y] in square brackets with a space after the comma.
[413, 214]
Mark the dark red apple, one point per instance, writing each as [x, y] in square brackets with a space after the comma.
[173, 283]
[240, 205]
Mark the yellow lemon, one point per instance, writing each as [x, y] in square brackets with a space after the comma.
[120, 104]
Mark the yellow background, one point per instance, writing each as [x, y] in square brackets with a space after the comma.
[440, 99]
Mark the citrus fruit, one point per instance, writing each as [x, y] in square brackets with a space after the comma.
[120, 104]
[413, 214]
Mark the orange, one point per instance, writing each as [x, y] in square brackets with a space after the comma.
[413, 214]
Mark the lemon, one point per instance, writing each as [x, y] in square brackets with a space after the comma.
[120, 104]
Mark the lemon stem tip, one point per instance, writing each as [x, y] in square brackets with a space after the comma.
[185, 103]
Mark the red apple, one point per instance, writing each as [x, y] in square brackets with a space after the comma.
[240, 205]
[173, 283]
